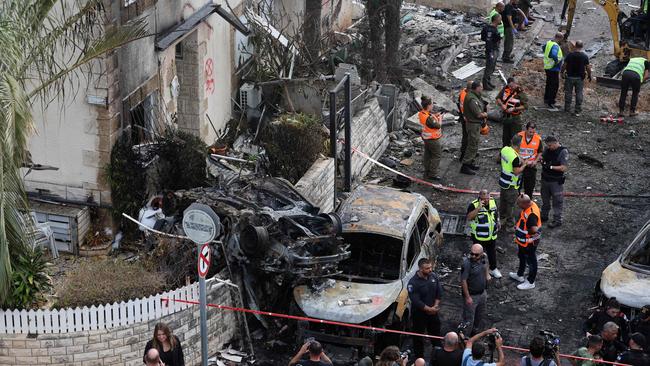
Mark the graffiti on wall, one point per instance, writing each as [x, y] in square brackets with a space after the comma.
[209, 80]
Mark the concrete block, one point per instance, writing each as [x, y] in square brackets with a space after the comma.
[24, 360]
[44, 359]
[96, 347]
[116, 343]
[93, 363]
[56, 351]
[24, 352]
[7, 360]
[74, 350]
[85, 356]
[132, 340]
[112, 360]
[104, 353]
[18, 344]
[122, 350]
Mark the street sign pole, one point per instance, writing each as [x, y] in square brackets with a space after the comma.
[204, 314]
[201, 225]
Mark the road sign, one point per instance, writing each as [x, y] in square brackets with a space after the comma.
[200, 223]
[203, 264]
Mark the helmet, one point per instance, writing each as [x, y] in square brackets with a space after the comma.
[485, 129]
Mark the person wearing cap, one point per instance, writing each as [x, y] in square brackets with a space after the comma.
[554, 164]
[311, 354]
[634, 355]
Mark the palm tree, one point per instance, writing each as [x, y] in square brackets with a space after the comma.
[43, 45]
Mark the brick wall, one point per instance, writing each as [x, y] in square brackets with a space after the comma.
[124, 345]
[369, 135]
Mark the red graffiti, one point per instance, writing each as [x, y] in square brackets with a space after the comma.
[209, 81]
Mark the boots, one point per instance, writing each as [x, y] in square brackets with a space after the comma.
[465, 169]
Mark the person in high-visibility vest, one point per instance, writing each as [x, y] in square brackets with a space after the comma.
[634, 74]
[531, 149]
[483, 218]
[513, 102]
[461, 118]
[527, 236]
[512, 165]
[498, 9]
[431, 134]
[552, 65]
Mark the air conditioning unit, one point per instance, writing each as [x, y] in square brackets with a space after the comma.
[249, 96]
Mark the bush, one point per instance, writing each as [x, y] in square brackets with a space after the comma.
[30, 280]
[107, 281]
[293, 143]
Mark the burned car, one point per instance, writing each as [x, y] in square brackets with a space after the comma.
[387, 231]
[628, 277]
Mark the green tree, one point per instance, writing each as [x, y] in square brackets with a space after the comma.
[44, 45]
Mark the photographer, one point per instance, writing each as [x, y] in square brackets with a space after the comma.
[450, 354]
[316, 355]
[536, 357]
[475, 350]
[391, 356]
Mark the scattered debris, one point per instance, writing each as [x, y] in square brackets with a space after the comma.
[591, 161]
[467, 70]
[439, 99]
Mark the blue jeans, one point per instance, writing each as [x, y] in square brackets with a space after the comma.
[528, 256]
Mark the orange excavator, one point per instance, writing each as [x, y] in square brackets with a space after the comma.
[630, 34]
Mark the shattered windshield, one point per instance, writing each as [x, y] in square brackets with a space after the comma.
[639, 252]
[375, 258]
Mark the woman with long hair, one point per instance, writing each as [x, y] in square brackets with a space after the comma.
[167, 344]
[391, 356]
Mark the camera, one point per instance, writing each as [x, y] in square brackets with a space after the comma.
[405, 355]
[551, 344]
[492, 340]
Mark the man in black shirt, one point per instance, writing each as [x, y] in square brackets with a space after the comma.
[449, 354]
[473, 279]
[634, 355]
[425, 292]
[554, 164]
[575, 68]
[490, 35]
[611, 313]
[314, 350]
[611, 346]
[641, 323]
[508, 15]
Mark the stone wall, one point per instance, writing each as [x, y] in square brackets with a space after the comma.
[124, 345]
[475, 6]
[369, 135]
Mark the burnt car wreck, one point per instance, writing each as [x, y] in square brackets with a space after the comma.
[349, 266]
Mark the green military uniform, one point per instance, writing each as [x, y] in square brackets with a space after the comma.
[472, 108]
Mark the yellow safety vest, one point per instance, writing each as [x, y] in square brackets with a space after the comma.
[549, 63]
[500, 26]
[636, 64]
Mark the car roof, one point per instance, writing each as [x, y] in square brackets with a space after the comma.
[380, 210]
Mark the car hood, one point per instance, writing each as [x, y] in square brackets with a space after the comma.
[347, 302]
[629, 287]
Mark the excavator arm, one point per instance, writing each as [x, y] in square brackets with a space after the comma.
[612, 11]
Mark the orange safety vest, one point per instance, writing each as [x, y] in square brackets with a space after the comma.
[461, 98]
[427, 132]
[511, 102]
[528, 150]
[522, 236]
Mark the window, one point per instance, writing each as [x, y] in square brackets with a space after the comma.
[141, 119]
[423, 224]
[375, 258]
[639, 253]
[413, 250]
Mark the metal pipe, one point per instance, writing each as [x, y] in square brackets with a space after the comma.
[348, 134]
[333, 131]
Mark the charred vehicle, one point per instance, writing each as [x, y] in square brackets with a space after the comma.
[628, 277]
[388, 231]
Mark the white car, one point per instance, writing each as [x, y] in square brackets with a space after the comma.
[628, 278]
[388, 231]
